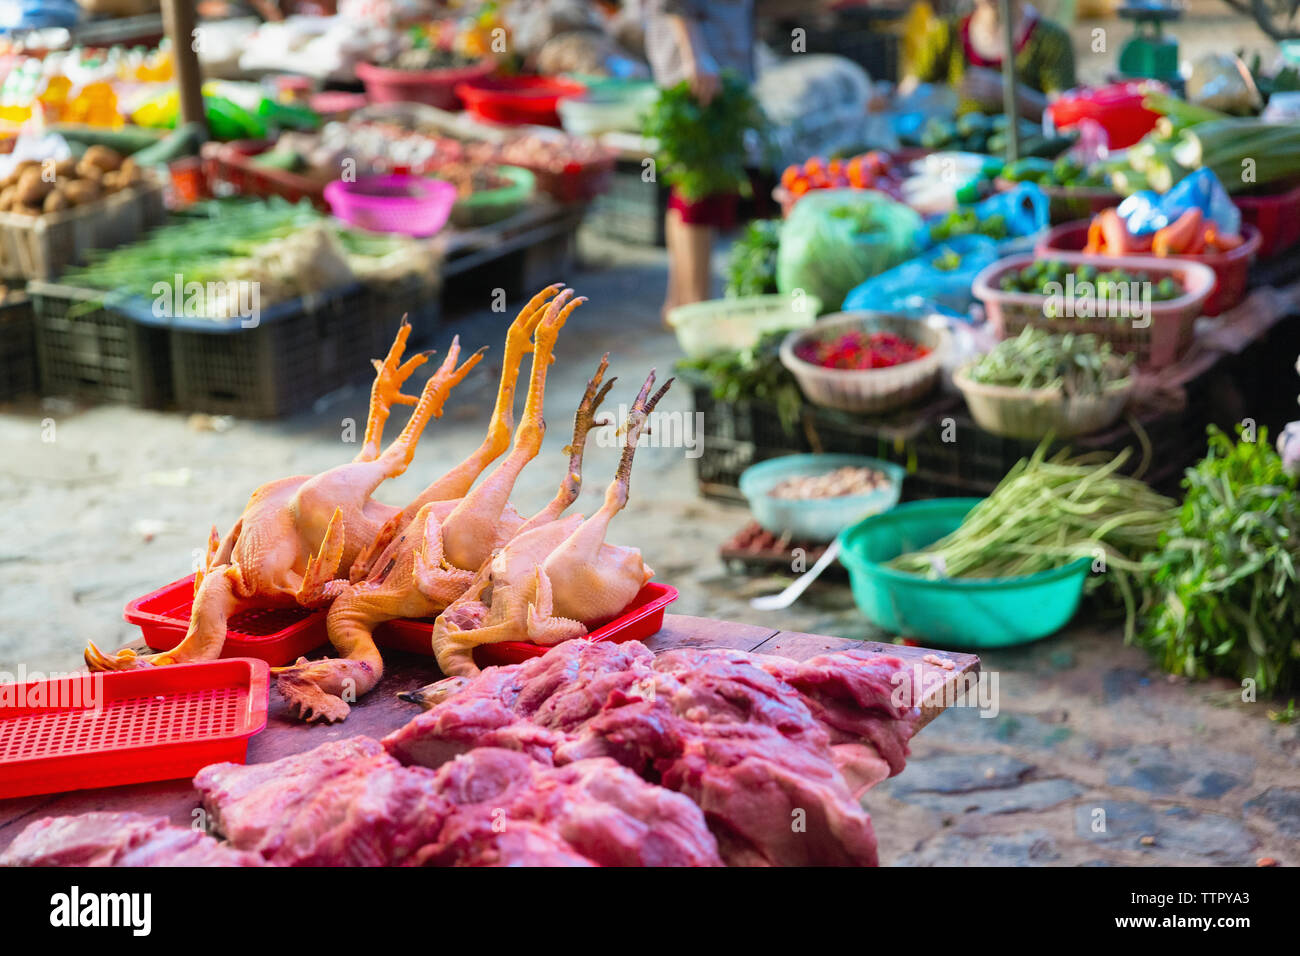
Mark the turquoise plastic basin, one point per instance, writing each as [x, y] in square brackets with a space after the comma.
[967, 613]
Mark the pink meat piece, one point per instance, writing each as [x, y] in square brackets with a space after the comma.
[594, 813]
[118, 839]
[345, 803]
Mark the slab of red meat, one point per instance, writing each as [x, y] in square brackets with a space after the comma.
[744, 744]
[597, 809]
[521, 844]
[118, 839]
[345, 803]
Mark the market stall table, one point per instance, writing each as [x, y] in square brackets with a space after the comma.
[380, 712]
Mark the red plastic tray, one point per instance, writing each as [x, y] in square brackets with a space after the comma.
[1231, 268]
[108, 729]
[643, 617]
[277, 635]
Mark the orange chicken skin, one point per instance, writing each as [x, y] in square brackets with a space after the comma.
[547, 581]
[296, 533]
[412, 579]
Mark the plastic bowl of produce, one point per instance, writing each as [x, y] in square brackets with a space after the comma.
[958, 613]
[486, 206]
[773, 490]
[1032, 413]
[410, 205]
[1230, 268]
[869, 390]
[1160, 339]
[710, 328]
[607, 109]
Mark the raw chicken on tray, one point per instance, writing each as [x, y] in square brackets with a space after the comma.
[592, 755]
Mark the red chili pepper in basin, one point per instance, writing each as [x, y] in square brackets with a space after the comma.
[856, 351]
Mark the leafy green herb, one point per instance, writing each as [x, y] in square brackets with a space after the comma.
[1224, 599]
[1077, 364]
[702, 148]
[754, 374]
[751, 267]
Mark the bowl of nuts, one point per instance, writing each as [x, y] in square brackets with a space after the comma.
[814, 497]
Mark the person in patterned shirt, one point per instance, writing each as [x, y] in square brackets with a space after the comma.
[966, 53]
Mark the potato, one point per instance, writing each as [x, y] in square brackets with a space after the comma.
[130, 172]
[112, 181]
[106, 159]
[88, 170]
[7, 198]
[32, 188]
[81, 191]
[25, 210]
[66, 168]
[54, 202]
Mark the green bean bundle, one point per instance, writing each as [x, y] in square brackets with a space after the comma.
[1047, 513]
[1034, 359]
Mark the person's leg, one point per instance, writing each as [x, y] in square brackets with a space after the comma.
[675, 241]
[697, 279]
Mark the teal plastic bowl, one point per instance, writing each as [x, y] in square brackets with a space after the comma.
[816, 519]
[966, 613]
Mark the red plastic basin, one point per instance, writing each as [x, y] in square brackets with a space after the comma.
[1117, 109]
[108, 729]
[1276, 216]
[643, 617]
[517, 100]
[276, 635]
[1231, 268]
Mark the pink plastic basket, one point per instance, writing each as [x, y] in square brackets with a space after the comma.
[431, 87]
[108, 729]
[410, 205]
[643, 617]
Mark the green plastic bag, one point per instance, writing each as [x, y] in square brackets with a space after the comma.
[837, 238]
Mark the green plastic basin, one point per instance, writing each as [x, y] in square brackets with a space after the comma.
[960, 613]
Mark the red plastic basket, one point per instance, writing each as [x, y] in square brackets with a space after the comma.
[576, 182]
[230, 165]
[517, 100]
[643, 617]
[1118, 108]
[109, 729]
[278, 635]
[1230, 268]
[1277, 217]
[431, 87]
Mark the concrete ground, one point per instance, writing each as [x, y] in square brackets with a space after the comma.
[1095, 756]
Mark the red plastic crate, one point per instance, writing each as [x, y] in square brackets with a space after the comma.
[109, 729]
[276, 635]
[643, 617]
[231, 165]
[1231, 268]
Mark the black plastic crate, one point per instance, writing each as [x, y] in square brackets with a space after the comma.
[296, 353]
[631, 210]
[420, 302]
[17, 347]
[87, 350]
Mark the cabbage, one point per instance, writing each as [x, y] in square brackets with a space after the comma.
[836, 238]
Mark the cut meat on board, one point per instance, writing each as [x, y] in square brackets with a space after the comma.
[118, 839]
[773, 751]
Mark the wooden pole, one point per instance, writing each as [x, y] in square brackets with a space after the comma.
[179, 22]
[1009, 80]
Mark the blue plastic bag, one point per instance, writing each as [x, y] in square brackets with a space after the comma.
[1026, 210]
[923, 286]
[1146, 211]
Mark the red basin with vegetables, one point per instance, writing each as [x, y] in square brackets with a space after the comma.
[517, 100]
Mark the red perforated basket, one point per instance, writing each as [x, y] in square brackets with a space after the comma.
[643, 617]
[107, 729]
[277, 635]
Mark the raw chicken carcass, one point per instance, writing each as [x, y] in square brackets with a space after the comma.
[552, 577]
[296, 534]
[411, 577]
[118, 839]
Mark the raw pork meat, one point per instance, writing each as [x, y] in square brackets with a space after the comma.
[761, 744]
[118, 839]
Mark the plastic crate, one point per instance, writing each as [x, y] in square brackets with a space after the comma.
[90, 351]
[1276, 216]
[41, 247]
[17, 347]
[631, 210]
[109, 729]
[298, 351]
